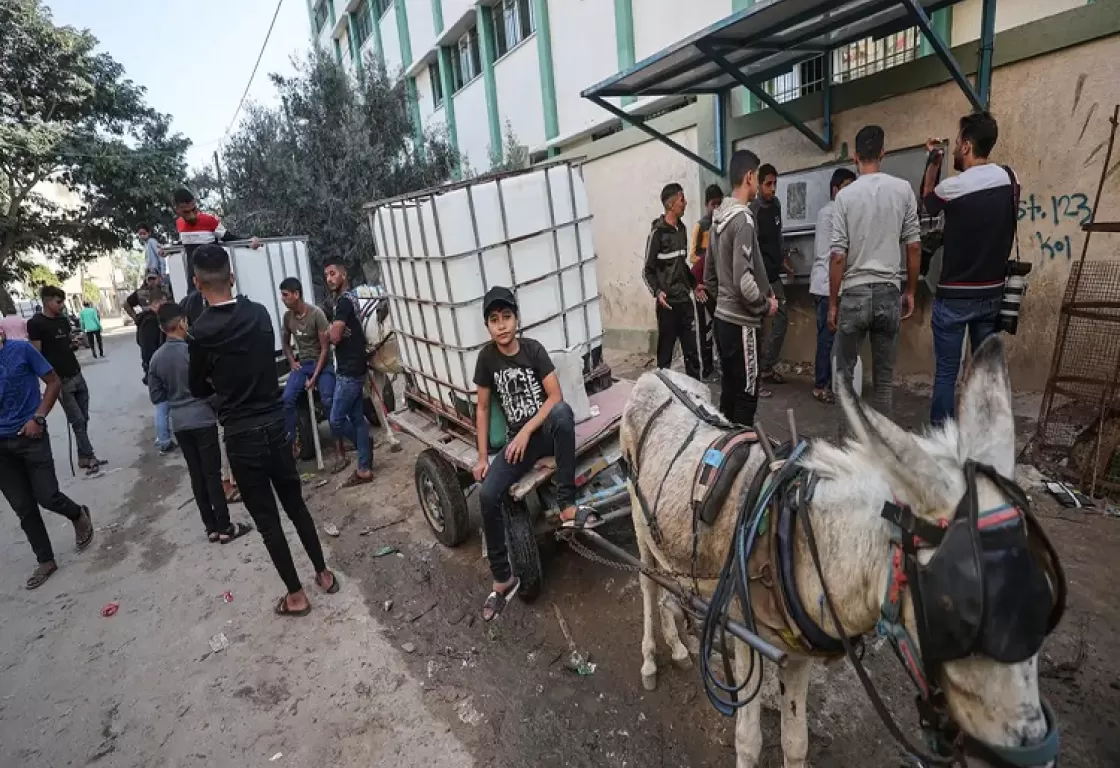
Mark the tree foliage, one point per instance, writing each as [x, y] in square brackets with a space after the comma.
[83, 159]
[336, 142]
[40, 276]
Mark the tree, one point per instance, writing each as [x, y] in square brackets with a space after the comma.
[38, 277]
[83, 159]
[336, 142]
[91, 293]
[513, 156]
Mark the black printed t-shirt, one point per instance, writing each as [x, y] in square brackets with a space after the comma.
[350, 352]
[53, 335]
[517, 380]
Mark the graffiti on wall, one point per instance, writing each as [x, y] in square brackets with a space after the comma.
[1048, 213]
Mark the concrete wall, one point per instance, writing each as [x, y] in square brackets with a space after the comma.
[421, 25]
[391, 40]
[424, 97]
[1009, 13]
[472, 126]
[660, 23]
[517, 78]
[453, 10]
[594, 59]
[1055, 144]
[623, 189]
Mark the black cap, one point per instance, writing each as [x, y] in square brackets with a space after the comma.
[498, 296]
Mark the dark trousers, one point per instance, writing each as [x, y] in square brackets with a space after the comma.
[95, 336]
[776, 336]
[870, 310]
[705, 313]
[677, 323]
[738, 359]
[261, 460]
[75, 404]
[952, 319]
[204, 462]
[556, 437]
[28, 481]
[822, 363]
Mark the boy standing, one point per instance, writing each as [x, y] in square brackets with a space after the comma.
[872, 218]
[767, 210]
[348, 419]
[196, 426]
[736, 275]
[669, 280]
[706, 305]
[150, 337]
[230, 348]
[818, 288]
[91, 325]
[312, 368]
[539, 424]
[27, 477]
[49, 332]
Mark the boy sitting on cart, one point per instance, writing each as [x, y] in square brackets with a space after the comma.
[539, 424]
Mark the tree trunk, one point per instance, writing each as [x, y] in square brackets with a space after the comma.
[7, 304]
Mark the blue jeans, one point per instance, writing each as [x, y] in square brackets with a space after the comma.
[163, 424]
[348, 420]
[822, 363]
[294, 389]
[951, 319]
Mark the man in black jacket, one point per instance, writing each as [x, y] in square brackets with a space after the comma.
[231, 358]
[767, 212]
[671, 282]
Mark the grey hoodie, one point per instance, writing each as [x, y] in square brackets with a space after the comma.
[734, 272]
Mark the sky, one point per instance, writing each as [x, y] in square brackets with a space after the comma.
[194, 57]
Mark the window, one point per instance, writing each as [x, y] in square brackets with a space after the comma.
[363, 25]
[380, 6]
[322, 13]
[513, 22]
[437, 84]
[466, 59]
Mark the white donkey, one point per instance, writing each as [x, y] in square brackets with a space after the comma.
[995, 706]
[381, 346]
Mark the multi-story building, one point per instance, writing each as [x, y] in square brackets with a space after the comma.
[480, 67]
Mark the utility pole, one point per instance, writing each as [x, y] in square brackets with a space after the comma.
[221, 184]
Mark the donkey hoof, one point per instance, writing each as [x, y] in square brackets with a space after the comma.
[684, 663]
[649, 682]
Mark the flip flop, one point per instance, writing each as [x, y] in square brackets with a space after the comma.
[496, 601]
[356, 479]
[334, 583]
[282, 609]
[212, 537]
[233, 495]
[774, 376]
[824, 396]
[763, 392]
[236, 531]
[583, 520]
[339, 465]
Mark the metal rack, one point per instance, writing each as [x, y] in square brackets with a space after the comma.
[1080, 413]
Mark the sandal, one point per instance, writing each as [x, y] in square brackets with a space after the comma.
[41, 573]
[764, 392]
[212, 537]
[586, 519]
[233, 495]
[496, 601]
[824, 396]
[334, 583]
[339, 465]
[83, 530]
[235, 531]
[283, 609]
[774, 376]
[356, 479]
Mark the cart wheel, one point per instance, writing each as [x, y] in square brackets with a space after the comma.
[304, 439]
[524, 555]
[441, 498]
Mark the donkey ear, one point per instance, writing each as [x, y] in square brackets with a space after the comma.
[986, 425]
[902, 456]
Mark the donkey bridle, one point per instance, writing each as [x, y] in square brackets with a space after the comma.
[950, 743]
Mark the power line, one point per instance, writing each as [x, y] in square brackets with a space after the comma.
[260, 55]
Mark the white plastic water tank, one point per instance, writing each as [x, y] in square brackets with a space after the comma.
[440, 251]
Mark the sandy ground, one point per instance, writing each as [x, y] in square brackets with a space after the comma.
[396, 669]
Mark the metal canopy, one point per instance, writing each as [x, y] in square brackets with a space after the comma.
[769, 39]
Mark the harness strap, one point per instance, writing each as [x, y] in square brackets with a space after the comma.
[861, 673]
[634, 467]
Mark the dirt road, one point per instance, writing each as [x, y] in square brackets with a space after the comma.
[396, 669]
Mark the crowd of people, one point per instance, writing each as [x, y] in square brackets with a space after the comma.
[863, 281]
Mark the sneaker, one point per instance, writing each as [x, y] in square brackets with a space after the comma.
[171, 447]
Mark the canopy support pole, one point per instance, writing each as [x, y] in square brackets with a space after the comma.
[640, 123]
[922, 20]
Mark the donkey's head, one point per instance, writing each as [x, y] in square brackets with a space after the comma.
[981, 590]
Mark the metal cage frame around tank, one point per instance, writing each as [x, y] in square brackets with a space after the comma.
[440, 260]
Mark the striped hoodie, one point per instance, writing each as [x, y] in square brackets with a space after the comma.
[666, 268]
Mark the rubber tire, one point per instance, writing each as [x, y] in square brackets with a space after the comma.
[524, 554]
[304, 425]
[444, 479]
